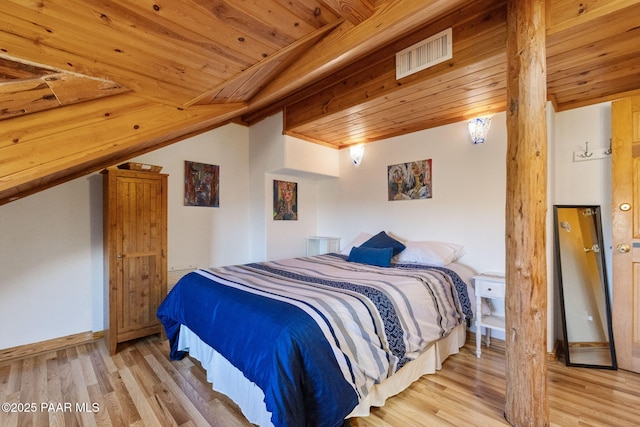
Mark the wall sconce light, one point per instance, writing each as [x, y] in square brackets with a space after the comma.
[479, 128]
[356, 153]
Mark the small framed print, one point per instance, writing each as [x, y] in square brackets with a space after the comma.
[409, 181]
[285, 200]
[201, 184]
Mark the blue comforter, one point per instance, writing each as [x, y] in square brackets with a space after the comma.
[292, 327]
[294, 366]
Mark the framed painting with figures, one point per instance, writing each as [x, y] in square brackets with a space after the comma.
[285, 200]
[409, 181]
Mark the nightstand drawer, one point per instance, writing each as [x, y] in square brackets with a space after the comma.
[491, 289]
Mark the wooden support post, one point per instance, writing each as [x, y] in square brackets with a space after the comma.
[526, 291]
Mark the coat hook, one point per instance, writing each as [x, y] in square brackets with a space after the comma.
[586, 153]
[608, 151]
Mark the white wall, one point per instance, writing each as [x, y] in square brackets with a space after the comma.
[275, 156]
[286, 239]
[51, 262]
[467, 205]
[51, 242]
[206, 236]
[588, 182]
[48, 262]
[266, 153]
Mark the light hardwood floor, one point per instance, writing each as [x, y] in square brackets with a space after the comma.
[83, 386]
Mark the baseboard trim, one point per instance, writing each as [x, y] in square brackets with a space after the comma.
[26, 350]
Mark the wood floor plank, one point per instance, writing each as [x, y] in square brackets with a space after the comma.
[124, 403]
[97, 400]
[216, 408]
[100, 369]
[184, 401]
[144, 375]
[54, 390]
[112, 409]
[10, 419]
[142, 404]
[76, 402]
[140, 386]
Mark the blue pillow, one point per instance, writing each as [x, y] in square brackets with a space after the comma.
[383, 240]
[372, 256]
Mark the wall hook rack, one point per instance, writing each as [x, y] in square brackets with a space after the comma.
[598, 153]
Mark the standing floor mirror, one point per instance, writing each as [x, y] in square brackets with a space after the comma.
[583, 287]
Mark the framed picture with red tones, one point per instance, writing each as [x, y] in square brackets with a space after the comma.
[285, 200]
[201, 184]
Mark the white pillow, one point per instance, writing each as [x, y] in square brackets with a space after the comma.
[360, 239]
[437, 254]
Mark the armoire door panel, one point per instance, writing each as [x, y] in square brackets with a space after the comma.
[140, 294]
[135, 205]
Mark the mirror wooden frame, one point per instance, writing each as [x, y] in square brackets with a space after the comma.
[586, 353]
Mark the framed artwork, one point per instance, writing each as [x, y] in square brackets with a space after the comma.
[285, 200]
[201, 184]
[409, 181]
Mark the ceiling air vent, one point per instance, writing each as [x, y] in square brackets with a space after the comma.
[424, 54]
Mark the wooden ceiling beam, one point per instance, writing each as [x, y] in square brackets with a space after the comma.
[370, 85]
[384, 118]
[563, 15]
[348, 43]
[354, 11]
[596, 59]
[73, 141]
[262, 71]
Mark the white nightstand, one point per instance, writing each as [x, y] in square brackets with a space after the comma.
[488, 285]
[318, 245]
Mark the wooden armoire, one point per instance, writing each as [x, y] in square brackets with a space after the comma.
[135, 252]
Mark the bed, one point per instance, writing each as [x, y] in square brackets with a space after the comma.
[317, 340]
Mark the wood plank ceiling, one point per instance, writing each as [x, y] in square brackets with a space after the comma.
[86, 84]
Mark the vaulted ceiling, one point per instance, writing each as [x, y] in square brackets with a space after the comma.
[87, 84]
